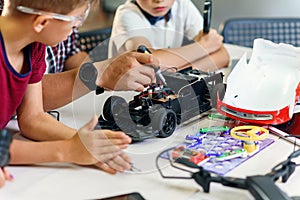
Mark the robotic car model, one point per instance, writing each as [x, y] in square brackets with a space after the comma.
[158, 109]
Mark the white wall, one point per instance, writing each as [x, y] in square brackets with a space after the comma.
[224, 9]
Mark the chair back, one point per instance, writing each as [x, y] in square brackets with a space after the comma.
[110, 6]
[243, 31]
[95, 43]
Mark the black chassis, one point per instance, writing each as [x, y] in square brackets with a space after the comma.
[157, 110]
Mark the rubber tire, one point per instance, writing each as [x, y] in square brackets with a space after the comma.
[164, 121]
[113, 105]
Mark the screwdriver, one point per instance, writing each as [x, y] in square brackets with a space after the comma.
[143, 49]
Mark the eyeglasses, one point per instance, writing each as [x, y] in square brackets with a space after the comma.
[75, 20]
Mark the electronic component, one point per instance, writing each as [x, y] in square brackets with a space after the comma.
[228, 155]
[224, 152]
[249, 135]
[218, 116]
[214, 129]
[190, 155]
[194, 138]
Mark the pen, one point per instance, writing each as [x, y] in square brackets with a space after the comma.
[207, 16]
[143, 49]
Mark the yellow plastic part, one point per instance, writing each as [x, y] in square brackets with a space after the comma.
[250, 147]
[249, 133]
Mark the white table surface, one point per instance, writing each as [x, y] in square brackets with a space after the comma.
[67, 181]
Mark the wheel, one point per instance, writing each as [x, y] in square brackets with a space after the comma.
[220, 89]
[113, 105]
[164, 121]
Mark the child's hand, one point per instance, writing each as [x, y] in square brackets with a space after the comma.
[211, 42]
[119, 163]
[90, 146]
[5, 175]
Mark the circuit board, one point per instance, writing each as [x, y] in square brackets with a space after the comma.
[222, 152]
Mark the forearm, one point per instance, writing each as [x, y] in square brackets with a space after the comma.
[34, 123]
[87, 147]
[61, 89]
[213, 62]
[75, 61]
[177, 57]
[44, 127]
[220, 58]
[182, 56]
[24, 152]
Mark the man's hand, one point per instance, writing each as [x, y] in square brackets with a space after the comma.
[90, 147]
[129, 71]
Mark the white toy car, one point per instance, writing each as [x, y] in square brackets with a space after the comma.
[266, 90]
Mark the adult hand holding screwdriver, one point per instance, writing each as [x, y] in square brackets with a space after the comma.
[143, 49]
[130, 71]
